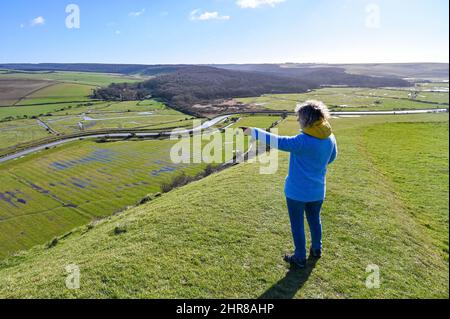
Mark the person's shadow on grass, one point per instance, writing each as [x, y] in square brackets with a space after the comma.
[294, 280]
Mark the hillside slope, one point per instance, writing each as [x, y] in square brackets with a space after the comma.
[224, 235]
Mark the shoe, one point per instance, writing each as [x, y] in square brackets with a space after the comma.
[294, 261]
[315, 253]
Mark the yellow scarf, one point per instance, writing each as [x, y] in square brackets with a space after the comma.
[320, 129]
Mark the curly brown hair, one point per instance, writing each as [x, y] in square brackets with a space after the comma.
[310, 112]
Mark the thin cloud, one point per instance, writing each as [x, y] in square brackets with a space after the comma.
[136, 13]
[37, 21]
[252, 4]
[198, 15]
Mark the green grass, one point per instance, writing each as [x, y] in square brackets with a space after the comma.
[417, 171]
[224, 235]
[256, 121]
[353, 99]
[19, 112]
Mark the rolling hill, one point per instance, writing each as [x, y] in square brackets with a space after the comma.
[224, 236]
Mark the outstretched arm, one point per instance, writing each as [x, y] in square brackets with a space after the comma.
[283, 143]
[335, 152]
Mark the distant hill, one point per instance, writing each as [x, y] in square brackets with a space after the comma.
[425, 71]
[186, 86]
[398, 70]
[127, 69]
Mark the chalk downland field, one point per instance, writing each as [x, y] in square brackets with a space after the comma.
[224, 236]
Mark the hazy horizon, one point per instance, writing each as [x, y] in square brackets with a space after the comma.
[225, 63]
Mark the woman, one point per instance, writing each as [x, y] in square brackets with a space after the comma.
[311, 152]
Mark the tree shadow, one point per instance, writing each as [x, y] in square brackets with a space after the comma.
[294, 280]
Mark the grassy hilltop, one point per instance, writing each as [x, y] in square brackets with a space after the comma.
[224, 236]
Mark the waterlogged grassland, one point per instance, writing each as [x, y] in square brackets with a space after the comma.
[148, 114]
[76, 108]
[87, 180]
[101, 122]
[434, 85]
[22, 131]
[84, 179]
[345, 99]
[222, 237]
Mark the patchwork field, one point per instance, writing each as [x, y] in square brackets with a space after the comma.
[88, 78]
[224, 236]
[27, 94]
[353, 99]
[12, 90]
[58, 93]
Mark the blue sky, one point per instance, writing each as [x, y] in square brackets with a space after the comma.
[226, 31]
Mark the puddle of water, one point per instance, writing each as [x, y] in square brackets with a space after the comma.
[100, 156]
[12, 198]
[166, 169]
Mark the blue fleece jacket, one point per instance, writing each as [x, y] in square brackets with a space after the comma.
[310, 156]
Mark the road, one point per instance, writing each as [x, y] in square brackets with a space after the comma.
[204, 126]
